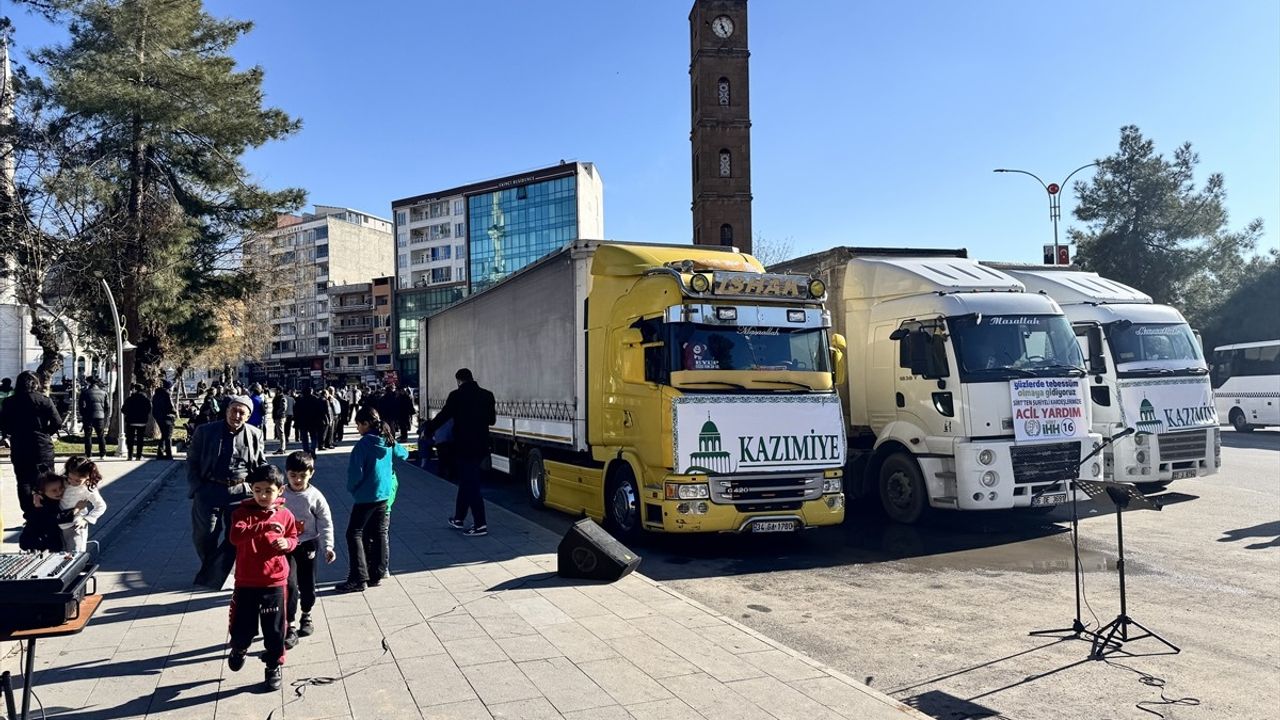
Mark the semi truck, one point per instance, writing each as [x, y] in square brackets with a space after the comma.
[1147, 371]
[654, 388]
[963, 391]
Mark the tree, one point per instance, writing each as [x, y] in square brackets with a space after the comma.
[770, 251]
[150, 96]
[1249, 313]
[1149, 226]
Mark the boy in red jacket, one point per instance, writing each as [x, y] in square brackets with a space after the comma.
[264, 533]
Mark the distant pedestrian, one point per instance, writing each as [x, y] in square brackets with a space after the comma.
[371, 482]
[335, 417]
[472, 410]
[165, 415]
[315, 540]
[278, 408]
[388, 406]
[30, 421]
[405, 412]
[220, 458]
[137, 411]
[94, 411]
[6, 389]
[81, 498]
[308, 414]
[257, 417]
[263, 532]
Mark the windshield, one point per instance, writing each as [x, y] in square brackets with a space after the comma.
[706, 347]
[1171, 345]
[1002, 347]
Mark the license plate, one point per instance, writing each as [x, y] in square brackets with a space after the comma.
[1183, 474]
[765, 526]
[1050, 499]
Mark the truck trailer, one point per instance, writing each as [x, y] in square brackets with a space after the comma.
[963, 391]
[653, 387]
[1147, 371]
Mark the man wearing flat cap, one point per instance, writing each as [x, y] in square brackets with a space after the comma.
[218, 461]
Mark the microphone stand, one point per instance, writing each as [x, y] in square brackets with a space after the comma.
[1078, 631]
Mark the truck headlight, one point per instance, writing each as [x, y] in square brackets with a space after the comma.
[687, 491]
[1095, 469]
[990, 478]
[1140, 439]
[699, 283]
[1141, 457]
[986, 457]
[831, 486]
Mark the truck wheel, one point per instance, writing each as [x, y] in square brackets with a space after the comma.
[1239, 422]
[622, 503]
[1152, 487]
[535, 478]
[902, 492]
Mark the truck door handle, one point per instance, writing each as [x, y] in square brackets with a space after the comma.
[902, 402]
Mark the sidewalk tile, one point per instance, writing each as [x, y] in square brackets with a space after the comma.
[574, 602]
[783, 666]
[528, 647]
[414, 640]
[608, 627]
[577, 643]
[733, 639]
[715, 700]
[469, 710]
[672, 709]
[564, 685]
[535, 709]
[654, 658]
[848, 700]
[456, 626]
[539, 612]
[435, 681]
[609, 712]
[318, 701]
[626, 683]
[500, 682]
[781, 700]
[380, 692]
[474, 651]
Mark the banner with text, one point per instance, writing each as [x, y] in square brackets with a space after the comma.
[1049, 408]
[1157, 405]
[726, 434]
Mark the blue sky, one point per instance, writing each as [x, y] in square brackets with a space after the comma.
[873, 123]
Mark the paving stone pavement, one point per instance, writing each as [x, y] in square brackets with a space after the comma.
[465, 628]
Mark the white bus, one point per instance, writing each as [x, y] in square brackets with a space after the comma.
[1246, 384]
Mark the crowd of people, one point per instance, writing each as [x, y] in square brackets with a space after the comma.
[272, 527]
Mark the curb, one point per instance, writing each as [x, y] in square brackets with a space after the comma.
[105, 532]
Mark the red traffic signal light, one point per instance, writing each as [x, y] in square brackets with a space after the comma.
[1053, 188]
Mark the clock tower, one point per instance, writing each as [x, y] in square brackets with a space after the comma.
[721, 127]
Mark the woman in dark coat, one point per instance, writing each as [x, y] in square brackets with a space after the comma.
[30, 420]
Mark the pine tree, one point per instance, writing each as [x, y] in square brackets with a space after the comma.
[162, 117]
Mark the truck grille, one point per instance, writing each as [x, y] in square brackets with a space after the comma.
[765, 490]
[1054, 462]
[1183, 446]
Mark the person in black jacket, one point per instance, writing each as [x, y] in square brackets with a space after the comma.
[94, 411]
[279, 407]
[406, 412]
[41, 527]
[388, 407]
[308, 412]
[30, 421]
[137, 411]
[472, 410]
[166, 415]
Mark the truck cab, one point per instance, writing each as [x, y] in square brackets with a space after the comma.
[1147, 371]
[964, 392]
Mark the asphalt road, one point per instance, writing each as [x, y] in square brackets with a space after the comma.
[938, 616]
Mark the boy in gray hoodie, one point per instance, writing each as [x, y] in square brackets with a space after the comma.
[315, 537]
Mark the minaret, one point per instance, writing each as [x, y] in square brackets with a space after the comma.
[8, 162]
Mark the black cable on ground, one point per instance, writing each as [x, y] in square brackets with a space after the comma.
[301, 684]
[1156, 682]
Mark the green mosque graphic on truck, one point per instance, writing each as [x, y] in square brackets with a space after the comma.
[711, 457]
[1148, 420]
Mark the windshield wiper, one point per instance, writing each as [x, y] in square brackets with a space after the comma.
[1148, 372]
[1195, 370]
[713, 382]
[806, 386]
[1075, 370]
[1022, 372]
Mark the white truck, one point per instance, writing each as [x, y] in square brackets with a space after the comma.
[964, 391]
[1146, 371]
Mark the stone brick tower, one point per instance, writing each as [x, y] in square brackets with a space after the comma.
[721, 128]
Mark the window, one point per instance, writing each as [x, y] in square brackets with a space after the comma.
[726, 164]
[459, 230]
[695, 167]
[321, 287]
[459, 251]
[457, 207]
[726, 234]
[522, 192]
[322, 233]
[442, 274]
[322, 251]
[401, 217]
[722, 91]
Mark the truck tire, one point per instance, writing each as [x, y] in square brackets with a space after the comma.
[1153, 486]
[1239, 422]
[902, 491]
[622, 504]
[535, 475]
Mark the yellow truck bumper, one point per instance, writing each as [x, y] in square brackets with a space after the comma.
[826, 510]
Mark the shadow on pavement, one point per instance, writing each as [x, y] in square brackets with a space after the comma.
[1253, 440]
[165, 699]
[1265, 530]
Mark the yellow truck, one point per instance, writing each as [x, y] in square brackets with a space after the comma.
[655, 387]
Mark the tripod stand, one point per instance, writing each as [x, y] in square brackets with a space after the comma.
[1077, 630]
[1112, 636]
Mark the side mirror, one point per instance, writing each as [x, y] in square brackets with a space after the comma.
[839, 368]
[1097, 358]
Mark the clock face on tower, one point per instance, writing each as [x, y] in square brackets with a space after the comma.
[722, 26]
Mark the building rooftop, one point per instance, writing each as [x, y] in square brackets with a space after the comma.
[562, 169]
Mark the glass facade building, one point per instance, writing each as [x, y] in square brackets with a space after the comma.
[411, 306]
[515, 227]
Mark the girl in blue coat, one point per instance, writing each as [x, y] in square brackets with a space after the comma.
[371, 482]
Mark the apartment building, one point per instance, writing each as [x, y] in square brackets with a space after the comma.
[360, 332]
[301, 261]
[454, 242]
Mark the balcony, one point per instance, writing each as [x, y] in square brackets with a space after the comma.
[354, 327]
[351, 348]
[354, 307]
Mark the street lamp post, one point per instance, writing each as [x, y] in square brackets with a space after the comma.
[119, 412]
[1054, 191]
